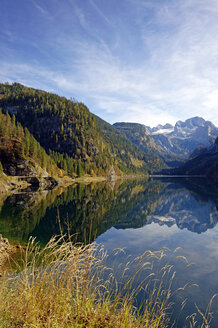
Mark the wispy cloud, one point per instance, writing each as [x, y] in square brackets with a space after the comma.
[42, 10]
[100, 13]
[175, 81]
[167, 70]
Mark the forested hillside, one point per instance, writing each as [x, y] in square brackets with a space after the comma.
[138, 135]
[20, 153]
[71, 136]
[127, 155]
[65, 128]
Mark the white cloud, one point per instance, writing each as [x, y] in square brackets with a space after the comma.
[175, 78]
[211, 101]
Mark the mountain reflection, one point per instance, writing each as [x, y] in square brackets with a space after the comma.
[89, 210]
[187, 209]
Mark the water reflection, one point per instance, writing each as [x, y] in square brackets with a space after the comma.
[135, 215]
[183, 220]
[195, 210]
[186, 209]
[85, 210]
[90, 210]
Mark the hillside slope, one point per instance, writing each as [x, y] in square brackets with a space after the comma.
[21, 155]
[128, 157]
[70, 134]
[205, 164]
[65, 129]
[139, 136]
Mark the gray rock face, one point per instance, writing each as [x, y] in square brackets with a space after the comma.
[182, 139]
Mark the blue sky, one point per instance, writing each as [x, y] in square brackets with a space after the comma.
[145, 61]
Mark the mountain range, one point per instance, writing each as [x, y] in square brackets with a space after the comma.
[64, 138]
[74, 139]
[180, 140]
[138, 134]
[183, 138]
[189, 146]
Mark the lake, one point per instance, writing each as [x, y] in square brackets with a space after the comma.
[175, 214]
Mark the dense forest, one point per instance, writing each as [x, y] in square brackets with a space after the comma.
[20, 153]
[64, 128]
[71, 136]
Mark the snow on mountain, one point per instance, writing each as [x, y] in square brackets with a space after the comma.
[163, 131]
[183, 138]
[159, 129]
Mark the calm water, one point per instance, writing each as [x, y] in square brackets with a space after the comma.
[134, 215]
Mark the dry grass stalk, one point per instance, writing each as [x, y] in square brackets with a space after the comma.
[68, 286]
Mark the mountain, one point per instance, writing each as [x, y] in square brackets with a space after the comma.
[182, 139]
[71, 136]
[167, 128]
[192, 140]
[124, 151]
[204, 164]
[199, 150]
[139, 135]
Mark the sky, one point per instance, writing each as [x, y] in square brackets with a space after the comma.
[145, 61]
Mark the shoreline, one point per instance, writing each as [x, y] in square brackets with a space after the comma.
[10, 183]
[13, 184]
[177, 176]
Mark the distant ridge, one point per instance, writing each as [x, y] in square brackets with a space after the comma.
[124, 150]
[204, 164]
[173, 144]
[139, 135]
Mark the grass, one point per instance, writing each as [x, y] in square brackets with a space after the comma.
[69, 286]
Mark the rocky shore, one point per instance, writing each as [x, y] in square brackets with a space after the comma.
[11, 183]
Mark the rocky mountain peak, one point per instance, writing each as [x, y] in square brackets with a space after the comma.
[184, 137]
[168, 126]
[195, 121]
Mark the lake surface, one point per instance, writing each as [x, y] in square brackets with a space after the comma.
[179, 215]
